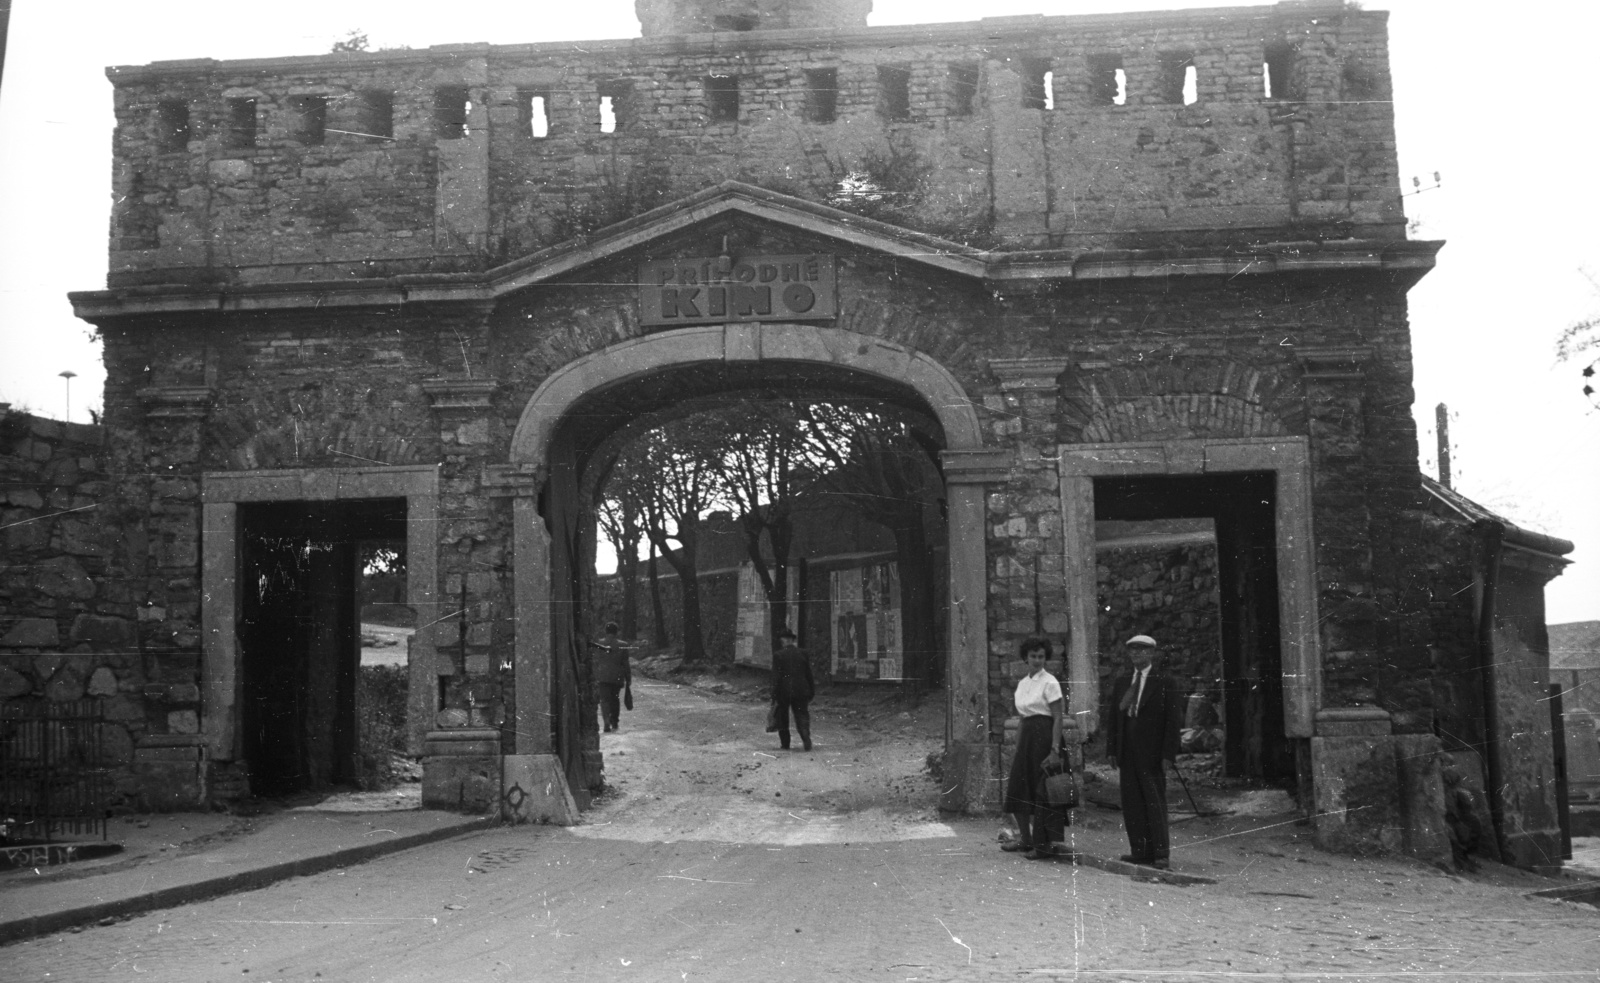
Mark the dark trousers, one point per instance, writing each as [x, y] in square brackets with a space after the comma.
[610, 704]
[802, 721]
[1144, 811]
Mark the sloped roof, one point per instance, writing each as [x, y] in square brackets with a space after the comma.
[1575, 645]
[1469, 511]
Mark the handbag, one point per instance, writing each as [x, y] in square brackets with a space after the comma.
[1060, 787]
[772, 718]
[627, 694]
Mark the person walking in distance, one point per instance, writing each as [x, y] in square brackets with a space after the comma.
[792, 688]
[1146, 715]
[612, 674]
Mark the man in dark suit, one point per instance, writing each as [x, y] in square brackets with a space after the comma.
[1146, 715]
[792, 688]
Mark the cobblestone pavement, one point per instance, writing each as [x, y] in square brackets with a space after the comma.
[718, 859]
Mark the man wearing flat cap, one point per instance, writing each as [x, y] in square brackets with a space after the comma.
[1146, 715]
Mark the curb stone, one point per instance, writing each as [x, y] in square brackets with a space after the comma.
[30, 926]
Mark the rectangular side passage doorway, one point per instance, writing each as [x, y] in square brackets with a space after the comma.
[299, 639]
[1242, 507]
[1255, 494]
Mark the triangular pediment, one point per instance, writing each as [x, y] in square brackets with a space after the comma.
[734, 199]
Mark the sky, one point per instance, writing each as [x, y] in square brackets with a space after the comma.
[1497, 101]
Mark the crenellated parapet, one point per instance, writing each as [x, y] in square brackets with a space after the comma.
[1081, 133]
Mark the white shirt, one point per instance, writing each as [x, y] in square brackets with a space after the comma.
[1035, 693]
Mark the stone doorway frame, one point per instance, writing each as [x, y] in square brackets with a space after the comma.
[966, 467]
[221, 494]
[1289, 458]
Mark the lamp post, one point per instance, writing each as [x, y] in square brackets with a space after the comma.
[68, 375]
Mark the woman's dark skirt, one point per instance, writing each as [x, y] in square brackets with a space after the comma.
[1033, 746]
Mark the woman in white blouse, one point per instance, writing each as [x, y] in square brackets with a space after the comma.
[1039, 702]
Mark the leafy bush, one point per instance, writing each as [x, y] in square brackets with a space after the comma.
[381, 715]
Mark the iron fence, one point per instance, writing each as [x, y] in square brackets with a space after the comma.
[53, 779]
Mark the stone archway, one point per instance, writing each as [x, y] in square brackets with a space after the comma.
[540, 560]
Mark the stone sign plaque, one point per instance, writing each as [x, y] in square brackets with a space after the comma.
[718, 289]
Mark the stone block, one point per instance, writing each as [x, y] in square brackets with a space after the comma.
[534, 790]
[183, 722]
[103, 682]
[63, 578]
[32, 633]
[66, 685]
[45, 666]
[1354, 722]
[171, 778]
[102, 632]
[467, 783]
[1357, 798]
[13, 684]
[1418, 763]
[971, 776]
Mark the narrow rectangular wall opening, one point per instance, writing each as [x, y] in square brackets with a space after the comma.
[307, 121]
[1038, 84]
[533, 107]
[894, 92]
[374, 116]
[616, 104]
[722, 98]
[1277, 69]
[963, 86]
[822, 95]
[451, 106]
[1179, 78]
[172, 126]
[239, 127]
[1108, 83]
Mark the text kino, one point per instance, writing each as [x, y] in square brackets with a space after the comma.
[753, 288]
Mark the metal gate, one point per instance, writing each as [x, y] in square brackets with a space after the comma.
[53, 779]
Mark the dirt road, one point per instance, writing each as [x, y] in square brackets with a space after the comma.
[721, 858]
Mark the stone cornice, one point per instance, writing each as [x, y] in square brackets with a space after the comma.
[460, 394]
[512, 480]
[177, 402]
[976, 467]
[1028, 373]
[1327, 364]
[1397, 257]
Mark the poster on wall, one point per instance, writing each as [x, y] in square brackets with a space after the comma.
[866, 622]
[752, 645]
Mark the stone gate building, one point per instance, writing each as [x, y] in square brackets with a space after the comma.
[1130, 267]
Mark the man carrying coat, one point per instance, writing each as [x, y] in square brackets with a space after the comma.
[1146, 715]
[792, 688]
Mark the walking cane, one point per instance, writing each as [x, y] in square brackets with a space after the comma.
[1185, 783]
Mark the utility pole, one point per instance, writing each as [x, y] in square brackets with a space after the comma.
[68, 375]
[1441, 417]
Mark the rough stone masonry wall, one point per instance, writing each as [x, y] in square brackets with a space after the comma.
[457, 178]
[71, 627]
[1169, 593]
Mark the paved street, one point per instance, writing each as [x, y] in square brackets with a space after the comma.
[721, 858]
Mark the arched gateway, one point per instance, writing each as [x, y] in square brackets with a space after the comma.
[1137, 326]
[544, 560]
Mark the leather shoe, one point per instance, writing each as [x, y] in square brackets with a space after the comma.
[1161, 864]
[1129, 858]
[1040, 853]
[1014, 847]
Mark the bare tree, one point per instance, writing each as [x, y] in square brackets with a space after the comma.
[674, 473]
[878, 462]
[621, 520]
[1580, 343]
[766, 480]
